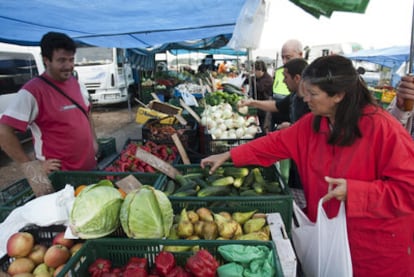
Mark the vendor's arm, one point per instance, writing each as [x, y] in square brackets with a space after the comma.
[95, 138]
[11, 145]
[264, 105]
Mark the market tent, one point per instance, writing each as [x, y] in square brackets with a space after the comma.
[110, 23]
[392, 57]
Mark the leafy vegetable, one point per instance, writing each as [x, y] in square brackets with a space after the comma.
[95, 211]
[146, 213]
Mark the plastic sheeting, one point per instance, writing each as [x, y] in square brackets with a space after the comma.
[392, 57]
[112, 23]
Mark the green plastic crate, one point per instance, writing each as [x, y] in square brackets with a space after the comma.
[120, 250]
[281, 203]
[107, 146]
[20, 192]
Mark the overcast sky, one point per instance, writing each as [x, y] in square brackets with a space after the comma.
[385, 23]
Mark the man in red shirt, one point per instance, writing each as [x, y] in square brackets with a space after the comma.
[63, 135]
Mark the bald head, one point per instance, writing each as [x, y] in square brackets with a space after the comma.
[291, 49]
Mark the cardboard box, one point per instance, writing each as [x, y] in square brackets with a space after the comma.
[158, 110]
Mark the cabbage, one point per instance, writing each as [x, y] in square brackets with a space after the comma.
[95, 211]
[146, 213]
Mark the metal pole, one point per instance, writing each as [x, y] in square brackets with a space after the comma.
[410, 64]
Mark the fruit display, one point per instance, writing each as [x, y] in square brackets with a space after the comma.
[33, 258]
[205, 224]
[228, 181]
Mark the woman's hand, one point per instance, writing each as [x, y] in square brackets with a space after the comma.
[215, 161]
[337, 188]
[51, 165]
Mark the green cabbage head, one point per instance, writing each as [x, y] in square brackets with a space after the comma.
[95, 211]
[146, 213]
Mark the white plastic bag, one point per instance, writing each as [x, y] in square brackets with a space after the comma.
[249, 25]
[322, 247]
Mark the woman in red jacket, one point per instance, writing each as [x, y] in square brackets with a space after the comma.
[348, 148]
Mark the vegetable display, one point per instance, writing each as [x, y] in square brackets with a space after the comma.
[128, 162]
[95, 211]
[228, 181]
[223, 123]
[146, 213]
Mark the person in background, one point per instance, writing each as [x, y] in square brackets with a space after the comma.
[293, 106]
[405, 91]
[261, 89]
[347, 149]
[291, 49]
[63, 133]
[222, 68]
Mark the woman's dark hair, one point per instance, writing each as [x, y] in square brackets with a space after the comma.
[53, 40]
[260, 65]
[336, 74]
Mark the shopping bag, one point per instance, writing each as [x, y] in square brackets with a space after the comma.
[322, 247]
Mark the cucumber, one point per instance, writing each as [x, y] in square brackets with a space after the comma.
[236, 172]
[225, 181]
[258, 175]
[169, 187]
[189, 192]
[213, 191]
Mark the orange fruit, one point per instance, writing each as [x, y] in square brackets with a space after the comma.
[122, 192]
[79, 189]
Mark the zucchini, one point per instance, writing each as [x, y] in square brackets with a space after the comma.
[181, 180]
[249, 179]
[169, 187]
[250, 192]
[225, 181]
[186, 187]
[238, 182]
[273, 187]
[188, 192]
[258, 175]
[236, 172]
[213, 191]
[193, 175]
[258, 187]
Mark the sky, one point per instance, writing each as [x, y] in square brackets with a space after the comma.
[385, 23]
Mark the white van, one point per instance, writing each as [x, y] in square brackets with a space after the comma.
[18, 64]
[106, 73]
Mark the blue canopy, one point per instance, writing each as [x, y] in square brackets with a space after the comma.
[392, 57]
[112, 23]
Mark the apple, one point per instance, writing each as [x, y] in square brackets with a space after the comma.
[37, 254]
[60, 239]
[56, 255]
[58, 270]
[75, 248]
[20, 244]
[21, 265]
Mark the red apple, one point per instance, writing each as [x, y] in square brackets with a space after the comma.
[20, 244]
[37, 254]
[21, 265]
[56, 255]
[76, 248]
[58, 269]
[60, 239]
